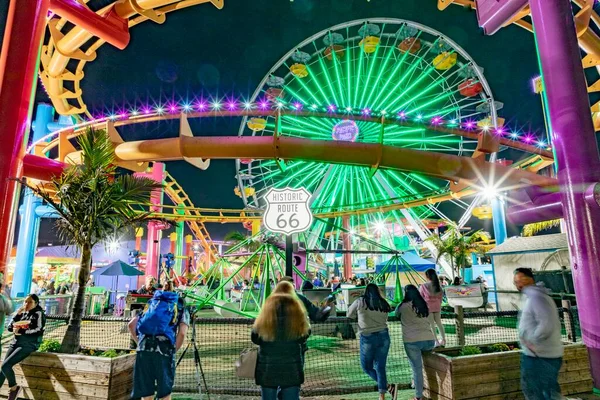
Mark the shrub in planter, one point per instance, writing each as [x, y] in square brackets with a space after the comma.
[470, 351]
[498, 348]
[493, 372]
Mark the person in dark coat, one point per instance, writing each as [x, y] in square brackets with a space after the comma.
[315, 314]
[28, 326]
[281, 331]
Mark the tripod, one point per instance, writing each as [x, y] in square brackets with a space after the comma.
[197, 363]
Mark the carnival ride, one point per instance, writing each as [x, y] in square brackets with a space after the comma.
[382, 119]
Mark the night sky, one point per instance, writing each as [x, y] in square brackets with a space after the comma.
[205, 51]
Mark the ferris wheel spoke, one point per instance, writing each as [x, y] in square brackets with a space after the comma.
[373, 61]
[325, 70]
[391, 51]
[436, 83]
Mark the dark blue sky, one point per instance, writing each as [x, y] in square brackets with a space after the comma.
[202, 50]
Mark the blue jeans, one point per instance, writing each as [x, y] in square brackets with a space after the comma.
[539, 377]
[288, 393]
[414, 351]
[374, 350]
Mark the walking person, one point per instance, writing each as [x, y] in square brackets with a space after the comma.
[416, 333]
[540, 337]
[433, 295]
[372, 311]
[159, 333]
[28, 327]
[281, 331]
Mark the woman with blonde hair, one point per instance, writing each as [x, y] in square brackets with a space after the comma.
[281, 331]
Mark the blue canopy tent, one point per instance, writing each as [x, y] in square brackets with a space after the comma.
[411, 258]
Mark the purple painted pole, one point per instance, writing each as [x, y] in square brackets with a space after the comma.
[543, 208]
[574, 139]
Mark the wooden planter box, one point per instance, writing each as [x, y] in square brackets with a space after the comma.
[50, 376]
[496, 375]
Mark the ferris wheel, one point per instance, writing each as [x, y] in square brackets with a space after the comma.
[367, 74]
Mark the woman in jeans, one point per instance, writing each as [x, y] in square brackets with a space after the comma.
[372, 311]
[416, 333]
[433, 294]
[28, 327]
[281, 331]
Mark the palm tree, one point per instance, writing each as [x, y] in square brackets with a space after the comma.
[93, 202]
[536, 227]
[457, 247]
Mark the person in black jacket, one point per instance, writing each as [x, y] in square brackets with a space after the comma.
[281, 331]
[316, 314]
[28, 326]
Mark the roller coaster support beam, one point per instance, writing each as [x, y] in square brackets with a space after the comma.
[577, 157]
[499, 219]
[494, 14]
[543, 208]
[443, 166]
[29, 224]
[347, 240]
[111, 28]
[157, 173]
[18, 67]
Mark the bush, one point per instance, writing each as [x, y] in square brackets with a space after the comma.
[470, 351]
[49, 346]
[112, 353]
[498, 348]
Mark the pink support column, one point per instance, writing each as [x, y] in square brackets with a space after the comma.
[154, 228]
[347, 246]
[577, 155]
[18, 68]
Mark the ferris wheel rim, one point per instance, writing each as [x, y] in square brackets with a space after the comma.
[489, 97]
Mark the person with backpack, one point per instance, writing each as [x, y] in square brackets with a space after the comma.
[281, 331]
[416, 333]
[28, 327]
[433, 295]
[372, 311]
[159, 332]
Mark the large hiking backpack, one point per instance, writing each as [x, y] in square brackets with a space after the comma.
[160, 316]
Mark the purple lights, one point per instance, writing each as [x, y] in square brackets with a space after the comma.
[366, 111]
[331, 108]
[436, 120]
[402, 115]
[263, 105]
[298, 105]
[470, 124]
[231, 105]
[201, 106]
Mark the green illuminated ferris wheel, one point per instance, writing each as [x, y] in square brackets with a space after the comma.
[365, 72]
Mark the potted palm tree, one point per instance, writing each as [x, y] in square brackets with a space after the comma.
[457, 247]
[93, 201]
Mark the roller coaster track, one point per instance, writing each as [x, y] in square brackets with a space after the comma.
[191, 215]
[66, 43]
[589, 41]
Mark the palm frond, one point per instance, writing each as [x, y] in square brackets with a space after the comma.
[537, 227]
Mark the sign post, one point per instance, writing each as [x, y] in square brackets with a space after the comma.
[288, 212]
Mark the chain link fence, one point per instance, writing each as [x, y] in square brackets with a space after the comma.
[332, 364]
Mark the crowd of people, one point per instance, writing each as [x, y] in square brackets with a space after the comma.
[282, 329]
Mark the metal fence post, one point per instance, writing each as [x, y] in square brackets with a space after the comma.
[569, 325]
[460, 325]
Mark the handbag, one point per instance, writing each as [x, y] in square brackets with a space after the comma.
[245, 366]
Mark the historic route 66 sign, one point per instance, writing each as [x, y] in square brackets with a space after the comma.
[287, 210]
